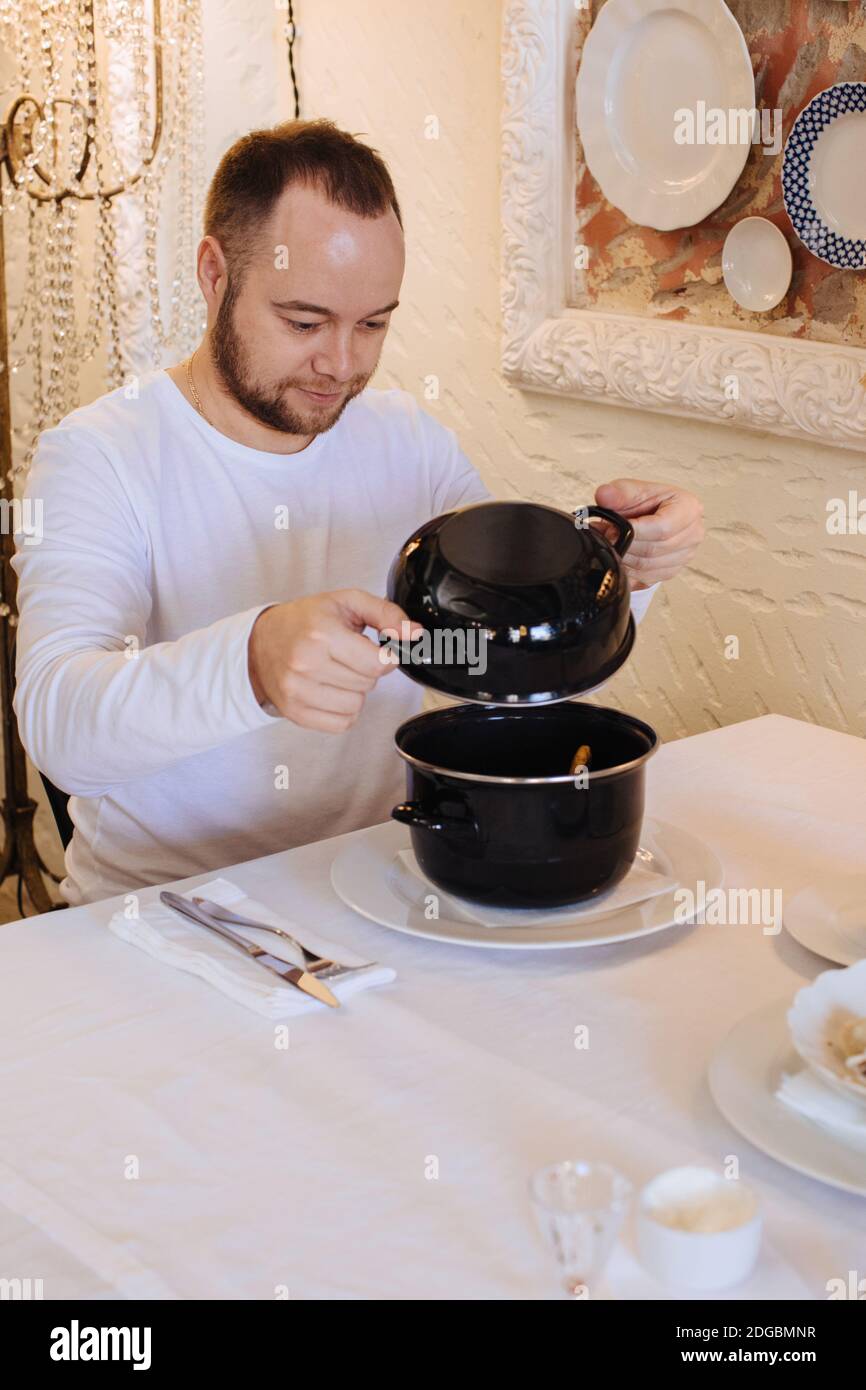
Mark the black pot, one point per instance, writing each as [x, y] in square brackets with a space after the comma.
[522, 603]
[497, 817]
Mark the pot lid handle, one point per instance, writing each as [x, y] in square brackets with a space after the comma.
[624, 528]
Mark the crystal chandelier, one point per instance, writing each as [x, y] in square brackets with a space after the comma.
[105, 128]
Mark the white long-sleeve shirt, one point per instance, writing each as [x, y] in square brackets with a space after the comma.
[159, 542]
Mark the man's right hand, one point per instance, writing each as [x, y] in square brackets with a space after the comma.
[311, 660]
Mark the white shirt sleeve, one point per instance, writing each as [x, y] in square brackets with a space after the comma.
[641, 600]
[95, 705]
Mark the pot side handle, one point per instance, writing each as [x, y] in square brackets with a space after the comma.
[625, 528]
[414, 814]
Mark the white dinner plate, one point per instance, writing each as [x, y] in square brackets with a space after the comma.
[822, 181]
[831, 920]
[363, 875]
[756, 264]
[643, 62]
[743, 1077]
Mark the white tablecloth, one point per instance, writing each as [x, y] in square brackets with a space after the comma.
[308, 1172]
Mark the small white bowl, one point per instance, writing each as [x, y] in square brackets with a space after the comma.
[698, 1230]
[756, 264]
[816, 1017]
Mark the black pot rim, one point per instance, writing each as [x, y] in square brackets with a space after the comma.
[599, 776]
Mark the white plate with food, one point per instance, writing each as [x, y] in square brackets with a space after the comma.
[827, 1023]
[644, 64]
[370, 877]
[744, 1076]
[830, 920]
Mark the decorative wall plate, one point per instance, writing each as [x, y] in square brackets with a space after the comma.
[756, 264]
[645, 61]
[823, 182]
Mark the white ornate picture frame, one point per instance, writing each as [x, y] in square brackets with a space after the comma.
[808, 390]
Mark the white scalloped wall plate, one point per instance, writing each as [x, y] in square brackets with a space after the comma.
[643, 62]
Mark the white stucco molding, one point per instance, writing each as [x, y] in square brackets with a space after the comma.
[802, 389]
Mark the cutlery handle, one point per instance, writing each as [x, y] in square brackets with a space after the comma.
[224, 914]
[233, 937]
[188, 909]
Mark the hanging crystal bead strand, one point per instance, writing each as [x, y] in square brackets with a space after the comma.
[150, 175]
[192, 177]
[87, 93]
[185, 330]
[106, 268]
[154, 178]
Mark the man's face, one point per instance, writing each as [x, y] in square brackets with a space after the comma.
[272, 353]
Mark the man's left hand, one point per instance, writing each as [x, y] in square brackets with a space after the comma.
[668, 527]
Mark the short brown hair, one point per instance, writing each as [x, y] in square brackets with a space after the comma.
[257, 169]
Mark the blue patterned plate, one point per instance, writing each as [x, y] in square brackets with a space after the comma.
[822, 175]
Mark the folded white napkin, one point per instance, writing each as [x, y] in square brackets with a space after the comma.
[171, 939]
[639, 884]
[808, 1095]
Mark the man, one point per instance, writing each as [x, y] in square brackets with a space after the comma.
[192, 660]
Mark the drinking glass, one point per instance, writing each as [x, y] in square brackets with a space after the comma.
[580, 1207]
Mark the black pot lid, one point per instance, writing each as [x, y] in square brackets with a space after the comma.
[521, 603]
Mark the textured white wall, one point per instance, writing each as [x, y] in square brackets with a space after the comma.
[768, 572]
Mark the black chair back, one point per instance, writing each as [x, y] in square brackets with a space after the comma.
[59, 803]
[57, 800]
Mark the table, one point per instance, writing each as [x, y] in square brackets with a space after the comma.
[386, 1152]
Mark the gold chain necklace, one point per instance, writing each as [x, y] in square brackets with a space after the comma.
[195, 395]
[191, 384]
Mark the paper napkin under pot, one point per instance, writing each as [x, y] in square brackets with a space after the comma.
[638, 885]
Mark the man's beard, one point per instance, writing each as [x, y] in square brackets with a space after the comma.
[266, 405]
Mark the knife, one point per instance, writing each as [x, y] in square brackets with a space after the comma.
[293, 974]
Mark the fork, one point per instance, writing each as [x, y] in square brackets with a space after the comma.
[316, 964]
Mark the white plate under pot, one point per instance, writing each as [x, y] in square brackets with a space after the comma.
[363, 875]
